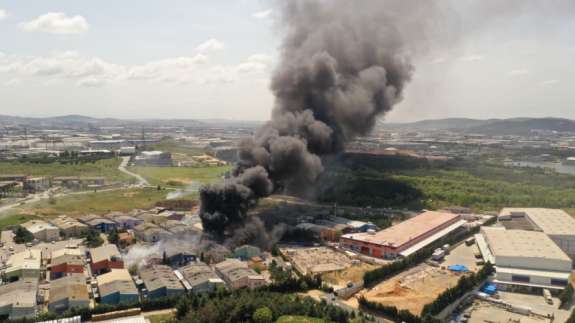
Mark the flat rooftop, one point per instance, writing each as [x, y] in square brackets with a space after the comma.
[520, 243]
[550, 221]
[406, 231]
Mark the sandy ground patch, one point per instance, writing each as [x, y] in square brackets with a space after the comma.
[354, 274]
[414, 288]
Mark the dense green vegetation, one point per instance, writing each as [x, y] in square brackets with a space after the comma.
[479, 185]
[241, 306]
[107, 168]
[180, 176]
[566, 295]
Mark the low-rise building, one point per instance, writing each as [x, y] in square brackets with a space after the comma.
[154, 158]
[66, 262]
[18, 300]
[160, 281]
[68, 292]
[150, 232]
[117, 287]
[36, 184]
[70, 227]
[25, 264]
[199, 277]
[524, 259]
[246, 252]
[237, 274]
[125, 221]
[42, 231]
[105, 258]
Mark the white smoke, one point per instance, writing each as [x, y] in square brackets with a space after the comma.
[190, 189]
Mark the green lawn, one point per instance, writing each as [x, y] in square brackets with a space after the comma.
[180, 176]
[160, 318]
[14, 219]
[107, 168]
[298, 319]
[98, 203]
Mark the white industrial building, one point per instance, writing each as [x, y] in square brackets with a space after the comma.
[557, 224]
[524, 258]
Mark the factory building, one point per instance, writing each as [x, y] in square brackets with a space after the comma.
[117, 287]
[42, 231]
[105, 258]
[199, 277]
[160, 281]
[18, 300]
[70, 227]
[527, 259]
[557, 224]
[405, 238]
[238, 275]
[25, 264]
[68, 292]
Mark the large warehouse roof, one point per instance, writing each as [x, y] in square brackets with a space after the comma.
[550, 221]
[406, 231]
[520, 243]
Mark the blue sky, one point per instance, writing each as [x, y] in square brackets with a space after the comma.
[213, 59]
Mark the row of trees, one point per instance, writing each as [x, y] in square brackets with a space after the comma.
[466, 284]
[393, 313]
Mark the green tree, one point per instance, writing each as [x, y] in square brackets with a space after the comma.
[22, 235]
[113, 237]
[566, 295]
[93, 239]
[263, 315]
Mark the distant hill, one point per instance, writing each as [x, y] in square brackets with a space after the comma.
[515, 126]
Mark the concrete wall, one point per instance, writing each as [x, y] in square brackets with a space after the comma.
[536, 263]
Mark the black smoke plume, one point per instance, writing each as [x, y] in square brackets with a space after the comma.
[342, 64]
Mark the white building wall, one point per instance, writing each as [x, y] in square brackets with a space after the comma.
[534, 263]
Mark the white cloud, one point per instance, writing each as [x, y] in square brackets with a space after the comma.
[472, 58]
[549, 82]
[263, 14]
[518, 72]
[3, 14]
[438, 60]
[56, 23]
[13, 82]
[257, 63]
[91, 82]
[210, 45]
[89, 71]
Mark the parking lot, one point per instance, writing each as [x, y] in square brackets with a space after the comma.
[462, 255]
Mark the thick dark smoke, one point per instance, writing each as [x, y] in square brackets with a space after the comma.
[343, 63]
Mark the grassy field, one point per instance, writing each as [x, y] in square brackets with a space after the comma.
[107, 168]
[174, 147]
[180, 176]
[160, 318]
[14, 219]
[298, 319]
[98, 203]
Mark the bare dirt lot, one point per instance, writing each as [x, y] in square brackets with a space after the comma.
[485, 312]
[462, 255]
[413, 289]
[354, 274]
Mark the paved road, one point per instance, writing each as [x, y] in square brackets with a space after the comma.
[142, 182]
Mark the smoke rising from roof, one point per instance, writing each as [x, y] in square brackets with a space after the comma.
[342, 64]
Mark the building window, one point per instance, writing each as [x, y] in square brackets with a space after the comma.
[558, 282]
[520, 278]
